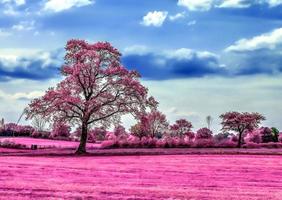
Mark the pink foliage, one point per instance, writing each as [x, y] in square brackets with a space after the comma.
[253, 136]
[97, 134]
[120, 132]
[45, 143]
[16, 130]
[262, 145]
[189, 136]
[280, 137]
[240, 122]
[133, 141]
[204, 143]
[41, 134]
[97, 88]
[181, 127]
[226, 143]
[108, 144]
[204, 133]
[154, 123]
[60, 130]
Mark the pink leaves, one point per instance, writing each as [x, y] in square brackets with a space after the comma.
[181, 127]
[96, 89]
[204, 133]
[60, 130]
[236, 120]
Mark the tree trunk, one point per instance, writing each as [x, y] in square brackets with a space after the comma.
[83, 139]
[240, 140]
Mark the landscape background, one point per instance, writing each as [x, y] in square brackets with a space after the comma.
[197, 58]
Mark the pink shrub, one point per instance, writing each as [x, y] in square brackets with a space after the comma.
[262, 145]
[120, 131]
[16, 130]
[234, 138]
[160, 143]
[40, 134]
[61, 130]
[122, 143]
[271, 145]
[189, 136]
[253, 136]
[99, 133]
[280, 137]
[148, 142]
[251, 145]
[111, 136]
[222, 136]
[175, 142]
[226, 143]
[266, 135]
[204, 133]
[106, 144]
[12, 145]
[204, 143]
[133, 141]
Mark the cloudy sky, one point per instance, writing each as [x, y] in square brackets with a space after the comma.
[197, 57]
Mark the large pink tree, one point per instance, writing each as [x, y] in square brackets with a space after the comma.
[240, 122]
[96, 90]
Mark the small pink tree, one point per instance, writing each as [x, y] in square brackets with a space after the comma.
[204, 133]
[151, 124]
[97, 134]
[240, 122]
[96, 90]
[181, 127]
[60, 130]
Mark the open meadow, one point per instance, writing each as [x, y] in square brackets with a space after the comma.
[142, 177]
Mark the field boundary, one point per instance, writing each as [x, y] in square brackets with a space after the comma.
[141, 151]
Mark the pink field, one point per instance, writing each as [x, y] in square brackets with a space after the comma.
[142, 177]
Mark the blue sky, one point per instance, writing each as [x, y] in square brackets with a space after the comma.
[198, 57]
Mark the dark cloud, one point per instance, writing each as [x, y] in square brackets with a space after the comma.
[259, 62]
[153, 66]
[32, 68]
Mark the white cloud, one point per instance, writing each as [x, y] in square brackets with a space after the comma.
[155, 18]
[61, 5]
[191, 23]
[136, 49]
[20, 95]
[9, 10]
[273, 3]
[24, 26]
[187, 54]
[17, 2]
[196, 5]
[206, 5]
[27, 95]
[265, 41]
[12, 58]
[234, 4]
[177, 16]
[10, 6]
[4, 33]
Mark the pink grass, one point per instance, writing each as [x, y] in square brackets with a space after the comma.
[142, 177]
